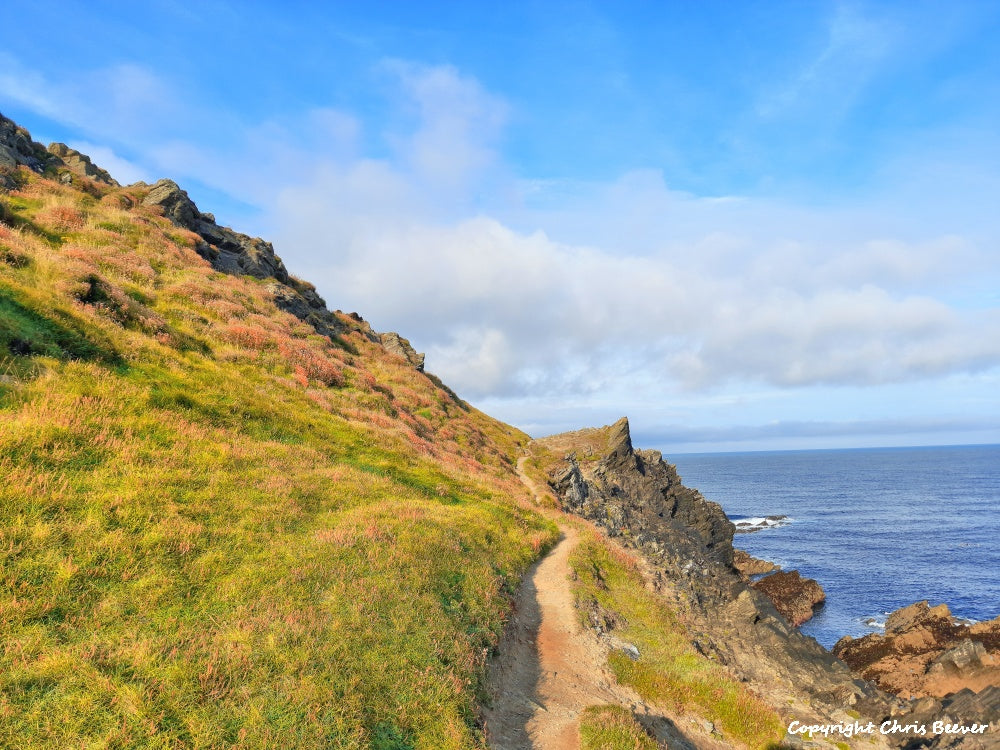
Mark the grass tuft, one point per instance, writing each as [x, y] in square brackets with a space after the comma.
[612, 728]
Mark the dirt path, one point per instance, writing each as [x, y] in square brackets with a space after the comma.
[548, 671]
[548, 667]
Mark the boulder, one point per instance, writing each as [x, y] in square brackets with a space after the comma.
[793, 596]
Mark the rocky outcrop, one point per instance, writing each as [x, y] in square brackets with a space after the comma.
[232, 252]
[637, 492]
[80, 164]
[925, 652]
[17, 148]
[227, 250]
[793, 596]
[396, 344]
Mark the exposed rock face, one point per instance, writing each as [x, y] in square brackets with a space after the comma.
[80, 163]
[396, 344]
[924, 652]
[793, 596]
[637, 492]
[17, 149]
[225, 249]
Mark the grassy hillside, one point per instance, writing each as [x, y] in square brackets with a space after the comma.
[217, 527]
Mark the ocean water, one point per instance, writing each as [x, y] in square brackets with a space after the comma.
[879, 528]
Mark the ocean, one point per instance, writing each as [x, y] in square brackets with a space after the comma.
[879, 528]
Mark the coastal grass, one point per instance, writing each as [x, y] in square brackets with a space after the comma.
[612, 728]
[669, 671]
[219, 529]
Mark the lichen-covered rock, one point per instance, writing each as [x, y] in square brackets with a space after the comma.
[17, 148]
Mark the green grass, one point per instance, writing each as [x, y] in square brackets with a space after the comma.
[612, 728]
[217, 536]
[669, 672]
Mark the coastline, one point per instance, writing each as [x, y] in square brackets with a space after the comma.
[639, 501]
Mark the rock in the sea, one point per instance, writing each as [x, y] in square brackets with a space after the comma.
[748, 565]
[793, 596]
[925, 652]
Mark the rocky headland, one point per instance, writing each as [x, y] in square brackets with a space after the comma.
[638, 499]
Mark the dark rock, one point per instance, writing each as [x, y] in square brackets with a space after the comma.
[607, 481]
[793, 596]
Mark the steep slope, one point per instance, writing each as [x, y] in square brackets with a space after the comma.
[223, 523]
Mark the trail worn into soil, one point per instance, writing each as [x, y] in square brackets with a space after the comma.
[547, 672]
[549, 668]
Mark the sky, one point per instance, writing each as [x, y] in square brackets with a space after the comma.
[745, 225]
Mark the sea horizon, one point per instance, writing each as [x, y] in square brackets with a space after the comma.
[930, 446]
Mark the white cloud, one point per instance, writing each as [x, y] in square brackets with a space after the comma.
[503, 311]
[458, 124]
[119, 99]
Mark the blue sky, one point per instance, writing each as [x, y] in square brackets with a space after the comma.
[746, 225]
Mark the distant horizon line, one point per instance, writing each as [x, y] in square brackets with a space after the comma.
[837, 450]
